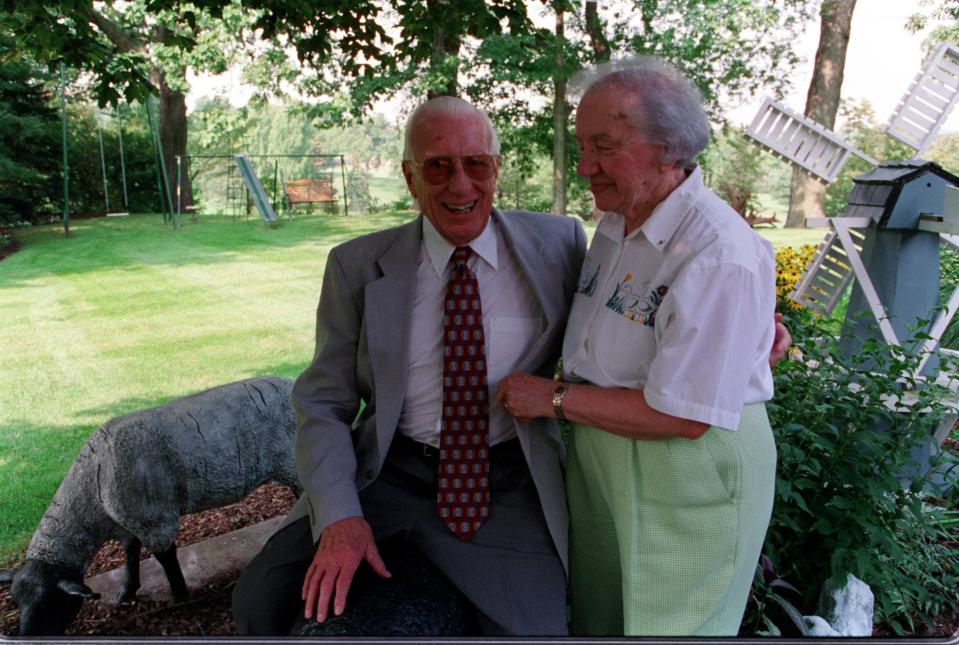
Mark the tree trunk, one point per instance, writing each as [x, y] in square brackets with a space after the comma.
[597, 39]
[172, 130]
[173, 137]
[806, 193]
[446, 44]
[560, 110]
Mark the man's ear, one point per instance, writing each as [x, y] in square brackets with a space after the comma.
[408, 175]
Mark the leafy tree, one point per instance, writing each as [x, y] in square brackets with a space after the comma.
[29, 141]
[734, 168]
[133, 48]
[492, 52]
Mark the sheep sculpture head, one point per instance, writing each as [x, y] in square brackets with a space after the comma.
[48, 596]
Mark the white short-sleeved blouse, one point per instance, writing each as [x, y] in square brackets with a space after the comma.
[682, 308]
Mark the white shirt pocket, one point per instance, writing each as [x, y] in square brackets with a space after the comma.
[509, 339]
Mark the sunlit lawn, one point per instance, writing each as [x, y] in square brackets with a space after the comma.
[127, 314]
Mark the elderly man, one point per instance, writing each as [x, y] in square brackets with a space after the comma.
[415, 326]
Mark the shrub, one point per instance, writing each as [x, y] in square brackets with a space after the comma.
[845, 498]
[790, 263]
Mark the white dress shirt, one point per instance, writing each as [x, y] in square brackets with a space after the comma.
[512, 320]
[682, 307]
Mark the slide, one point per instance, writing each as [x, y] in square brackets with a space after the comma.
[256, 188]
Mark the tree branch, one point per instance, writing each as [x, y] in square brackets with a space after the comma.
[121, 39]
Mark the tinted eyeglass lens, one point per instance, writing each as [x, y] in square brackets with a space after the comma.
[438, 170]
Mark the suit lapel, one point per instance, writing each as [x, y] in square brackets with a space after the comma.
[388, 304]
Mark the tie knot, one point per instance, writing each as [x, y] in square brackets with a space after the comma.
[460, 256]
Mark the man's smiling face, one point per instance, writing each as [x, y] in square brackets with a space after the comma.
[459, 207]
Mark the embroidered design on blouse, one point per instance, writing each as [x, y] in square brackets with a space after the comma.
[588, 278]
[640, 309]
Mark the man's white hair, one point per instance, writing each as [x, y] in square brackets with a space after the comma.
[668, 108]
[441, 106]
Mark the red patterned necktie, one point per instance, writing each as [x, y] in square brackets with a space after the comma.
[462, 499]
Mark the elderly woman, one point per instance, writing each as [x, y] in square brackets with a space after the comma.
[672, 462]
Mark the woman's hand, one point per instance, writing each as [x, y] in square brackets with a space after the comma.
[525, 396]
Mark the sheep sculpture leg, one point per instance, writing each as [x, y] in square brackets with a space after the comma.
[131, 568]
[167, 560]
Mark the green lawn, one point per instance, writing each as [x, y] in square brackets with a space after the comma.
[126, 314]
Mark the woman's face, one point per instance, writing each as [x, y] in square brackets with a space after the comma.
[625, 173]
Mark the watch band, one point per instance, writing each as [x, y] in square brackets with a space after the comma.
[558, 395]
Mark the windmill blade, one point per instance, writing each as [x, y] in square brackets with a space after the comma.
[825, 277]
[929, 100]
[802, 141]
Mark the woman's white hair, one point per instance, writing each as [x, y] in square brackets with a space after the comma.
[667, 108]
[443, 106]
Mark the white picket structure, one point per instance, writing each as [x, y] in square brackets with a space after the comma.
[802, 141]
[825, 278]
[928, 101]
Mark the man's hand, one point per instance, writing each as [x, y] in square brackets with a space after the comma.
[343, 546]
[781, 342]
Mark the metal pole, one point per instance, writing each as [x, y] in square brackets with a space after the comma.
[103, 168]
[276, 166]
[159, 147]
[156, 156]
[346, 209]
[66, 160]
[123, 167]
[179, 172]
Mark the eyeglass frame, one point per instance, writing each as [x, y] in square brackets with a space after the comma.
[420, 164]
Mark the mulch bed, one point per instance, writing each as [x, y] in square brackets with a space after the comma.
[206, 613]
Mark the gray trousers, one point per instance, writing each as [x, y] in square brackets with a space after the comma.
[509, 570]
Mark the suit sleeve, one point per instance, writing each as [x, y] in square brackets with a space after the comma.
[326, 399]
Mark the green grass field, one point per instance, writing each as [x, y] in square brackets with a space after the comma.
[127, 314]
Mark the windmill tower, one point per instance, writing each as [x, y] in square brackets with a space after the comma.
[887, 241]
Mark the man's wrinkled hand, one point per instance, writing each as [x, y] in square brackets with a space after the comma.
[343, 546]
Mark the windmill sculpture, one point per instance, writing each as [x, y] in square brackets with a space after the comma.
[888, 238]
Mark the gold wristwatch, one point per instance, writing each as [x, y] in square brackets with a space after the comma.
[558, 395]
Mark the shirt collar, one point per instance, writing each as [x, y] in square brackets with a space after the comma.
[667, 216]
[664, 220]
[441, 250]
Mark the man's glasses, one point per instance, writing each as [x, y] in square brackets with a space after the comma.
[439, 170]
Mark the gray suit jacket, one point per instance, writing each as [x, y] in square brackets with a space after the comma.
[362, 343]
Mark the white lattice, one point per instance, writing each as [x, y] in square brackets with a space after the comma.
[801, 141]
[928, 101]
[825, 278]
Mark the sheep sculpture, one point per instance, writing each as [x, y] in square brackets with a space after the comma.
[133, 480]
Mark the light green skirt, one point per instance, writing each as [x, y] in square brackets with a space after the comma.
[665, 535]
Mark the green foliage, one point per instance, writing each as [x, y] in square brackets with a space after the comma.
[371, 148]
[845, 498]
[771, 609]
[730, 48]
[29, 141]
[734, 167]
[86, 170]
[948, 281]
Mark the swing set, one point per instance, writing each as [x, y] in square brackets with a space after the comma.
[163, 183]
[244, 190]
